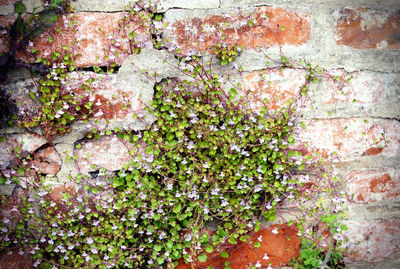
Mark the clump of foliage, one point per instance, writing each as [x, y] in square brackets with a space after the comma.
[207, 159]
[226, 53]
[312, 256]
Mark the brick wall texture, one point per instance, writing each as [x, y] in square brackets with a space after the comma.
[356, 126]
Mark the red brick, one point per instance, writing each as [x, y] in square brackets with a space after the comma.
[28, 143]
[111, 99]
[363, 28]
[92, 43]
[280, 249]
[372, 240]
[349, 139]
[264, 33]
[374, 185]
[100, 153]
[47, 160]
[278, 86]
[367, 88]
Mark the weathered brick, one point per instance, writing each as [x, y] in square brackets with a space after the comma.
[198, 30]
[96, 32]
[116, 103]
[276, 249]
[364, 28]
[95, 154]
[367, 93]
[111, 98]
[28, 143]
[47, 160]
[372, 240]
[364, 87]
[349, 139]
[373, 185]
[276, 85]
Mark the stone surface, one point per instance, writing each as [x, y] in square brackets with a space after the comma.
[68, 168]
[364, 28]
[98, 35]
[28, 142]
[99, 5]
[158, 64]
[350, 139]
[372, 240]
[19, 94]
[390, 262]
[374, 185]
[109, 152]
[379, 210]
[160, 5]
[276, 249]
[164, 5]
[7, 6]
[7, 189]
[278, 86]
[195, 29]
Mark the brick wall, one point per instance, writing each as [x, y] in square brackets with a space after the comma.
[360, 122]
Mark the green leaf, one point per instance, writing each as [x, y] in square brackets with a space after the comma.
[209, 249]
[202, 257]
[53, 18]
[225, 254]
[19, 8]
[233, 92]
[32, 95]
[170, 136]
[177, 208]
[204, 238]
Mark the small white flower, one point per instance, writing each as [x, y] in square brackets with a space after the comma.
[89, 241]
[190, 145]
[275, 230]
[188, 237]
